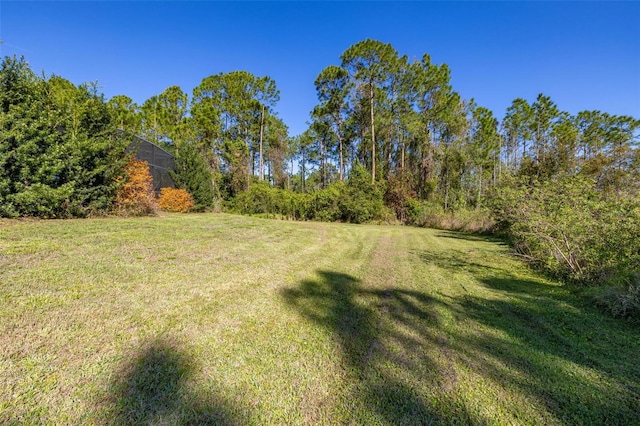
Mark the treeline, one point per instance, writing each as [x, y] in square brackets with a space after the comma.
[389, 140]
[400, 119]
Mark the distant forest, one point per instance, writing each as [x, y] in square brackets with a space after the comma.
[389, 140]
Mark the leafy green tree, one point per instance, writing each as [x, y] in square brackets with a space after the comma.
[370, 63]
[232, 107]
[302, 151]
[608, 144]
[545, 116]
[236, 175]
[324, 138]
[60, 155]
[164, 118]
[150, 117]
[276, 137]
[194, 176]
[206, 126]
[172, 111]
[332, 86]
[484, 144]
[564, 136]
[440, 115]
[126, 113]
[267, 96]
[516, 124]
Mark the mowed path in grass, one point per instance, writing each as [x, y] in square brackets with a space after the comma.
[221, 319]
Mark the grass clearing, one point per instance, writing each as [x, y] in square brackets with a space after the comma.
[225, 319]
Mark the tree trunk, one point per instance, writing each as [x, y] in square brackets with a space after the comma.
[373, 137]
[323, 161]
[479, 196]
[339, 134]
[302, 173]
[402, 158]
[261, 166]
[250, 157]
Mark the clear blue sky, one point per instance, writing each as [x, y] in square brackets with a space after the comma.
[585, 55]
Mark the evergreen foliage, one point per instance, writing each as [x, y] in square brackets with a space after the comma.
[194, 176]
[362, 200]
[59, 153]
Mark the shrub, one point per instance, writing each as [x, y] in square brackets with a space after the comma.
[258, 199]
[363, 201]
[570, 229]
[399, 197]
[356, 201]
[175, 200]
[289, 204]
[135, 197]
[327, 204]
[623, 302]
[44, 201]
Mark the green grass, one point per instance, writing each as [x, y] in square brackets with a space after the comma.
[221, 319]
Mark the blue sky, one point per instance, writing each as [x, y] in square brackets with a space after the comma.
[584, 55]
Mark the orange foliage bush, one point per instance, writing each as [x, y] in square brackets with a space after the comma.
[135, 197]
[175, 200]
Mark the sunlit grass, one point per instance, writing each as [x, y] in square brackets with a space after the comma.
[224, 319]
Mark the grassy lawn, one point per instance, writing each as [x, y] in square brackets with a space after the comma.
[221, 319]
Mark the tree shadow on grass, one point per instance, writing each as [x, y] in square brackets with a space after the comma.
[548, 343]
[153, 388]
[580, 367]
[384, 336]
[475, 263]
[470, 237]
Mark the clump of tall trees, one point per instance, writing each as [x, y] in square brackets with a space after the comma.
[224, 137]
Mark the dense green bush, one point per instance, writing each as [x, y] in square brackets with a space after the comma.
[357, 201]
[260, 198]
[327, 204]
[40, 200]
[295, 204]
[571, 229]
[363, 201]
[60, 155]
